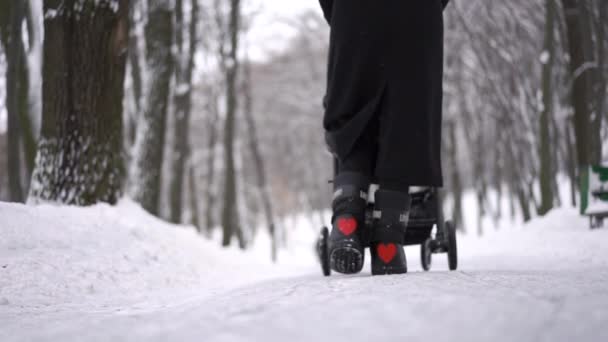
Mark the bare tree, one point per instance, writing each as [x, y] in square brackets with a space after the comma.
[20, 139]
[136, 18]
[230, 67]
[146, 170]
[547, 174]
[580, 71]
[184, 62]
[262, 185]
[210, 160]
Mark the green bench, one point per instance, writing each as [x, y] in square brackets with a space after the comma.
[597, 210]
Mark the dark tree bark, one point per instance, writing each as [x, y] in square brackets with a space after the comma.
[184, 63]
[146, 177]
[579, 71]
[79, 157]
[455, 176]
[210, 162]
[497, 177]
[230, 214]
[19, 135]
[547, 174]
[9, 19]
[517, 182]
[29, 109]
[571, 161]
[194, 218]
[602, 82]
[524, 203]
[592, 78]
[32, 93]
[481, 200]
[557, 151]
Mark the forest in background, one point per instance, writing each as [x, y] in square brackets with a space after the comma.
[158, 100]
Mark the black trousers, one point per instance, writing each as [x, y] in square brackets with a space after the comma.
[384, 89]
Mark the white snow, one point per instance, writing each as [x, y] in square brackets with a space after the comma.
[597, 207]
[182, 89]
[116, 273]
[544, 57]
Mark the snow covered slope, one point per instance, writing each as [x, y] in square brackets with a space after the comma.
[115, 273]
[53, 255]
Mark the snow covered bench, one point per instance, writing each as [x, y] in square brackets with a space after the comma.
[598, 185]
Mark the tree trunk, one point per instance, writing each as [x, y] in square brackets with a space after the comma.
[10, 34]
[557, 150]
[264, 191]
[579, 72]
[184, 63]
[79, 157]
[194, 218]
[30, 123]
[135, 18]
[455, 176]
[602, 75]
[524, 203]
[482, 210]
[592, 78]
[210, 161]
[230, 219]
[497, 180]
[517, 183]
[545, 156]
[571, 162]
[21, 138]
[146, 176]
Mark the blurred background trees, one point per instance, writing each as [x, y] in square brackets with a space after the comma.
[20, 148]
[230, 140]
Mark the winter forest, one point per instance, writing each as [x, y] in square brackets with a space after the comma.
[182, 110]
[164, 175]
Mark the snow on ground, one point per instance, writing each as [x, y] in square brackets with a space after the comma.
[106, 255]
[116, 273]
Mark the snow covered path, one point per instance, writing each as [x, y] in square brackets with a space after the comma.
[463, 306]
[545, 282]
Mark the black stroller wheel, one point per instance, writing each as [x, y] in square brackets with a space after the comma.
[322, 251]
[426, 254]
[452, 245]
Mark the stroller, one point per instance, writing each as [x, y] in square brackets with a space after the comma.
[426, 213]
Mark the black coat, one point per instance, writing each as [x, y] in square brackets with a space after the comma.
[326, 5]
[385, 75]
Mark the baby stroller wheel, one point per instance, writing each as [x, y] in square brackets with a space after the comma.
[452, 246]
[322, 251]
[426, 254]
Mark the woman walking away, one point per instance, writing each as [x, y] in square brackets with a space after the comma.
[382, 121]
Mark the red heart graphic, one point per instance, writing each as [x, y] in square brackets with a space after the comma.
[387, 252]
[347, 225]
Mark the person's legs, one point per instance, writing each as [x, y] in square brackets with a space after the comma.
[354, 91]
[346, 248]
[383, 117]
[410, 124]
[410, 127]
[356, 73]
[353, 177]
[362, 157]
[386, 60]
